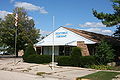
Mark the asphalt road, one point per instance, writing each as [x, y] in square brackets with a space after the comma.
[7, 75]
[11, 71]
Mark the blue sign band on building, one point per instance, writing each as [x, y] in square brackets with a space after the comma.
[61, 34]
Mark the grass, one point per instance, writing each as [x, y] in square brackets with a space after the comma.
[101, 75]
[40, 73]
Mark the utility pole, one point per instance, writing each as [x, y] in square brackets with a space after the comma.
[16, 24]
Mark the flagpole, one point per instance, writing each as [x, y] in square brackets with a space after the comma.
[53, 44]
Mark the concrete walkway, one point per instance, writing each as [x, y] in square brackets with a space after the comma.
[19, 70]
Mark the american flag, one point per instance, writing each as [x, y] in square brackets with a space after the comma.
[16, 19]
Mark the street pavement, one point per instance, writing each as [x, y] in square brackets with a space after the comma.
[16, 69]
[7, 75]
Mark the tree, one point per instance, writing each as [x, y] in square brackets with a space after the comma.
[111, 19]
[104, 53]
[2, 45]
[0, 31]
[117, 33]
[26, 32]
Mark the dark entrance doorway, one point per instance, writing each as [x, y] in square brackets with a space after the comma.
[65, 50]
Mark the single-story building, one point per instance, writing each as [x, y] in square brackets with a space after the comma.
[65, 38]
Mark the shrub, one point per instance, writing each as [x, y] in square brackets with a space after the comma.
[31, 58]
[43, 59]
[56, 58]
[86, 61]
[29, 51]
[101, 67]
[75, 56]
[40, 59]
[64, 60]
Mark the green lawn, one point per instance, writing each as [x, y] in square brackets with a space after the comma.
[101, 75]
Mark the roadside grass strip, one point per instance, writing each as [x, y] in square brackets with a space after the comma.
[101, 75]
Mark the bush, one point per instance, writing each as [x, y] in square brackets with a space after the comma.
[29, 51]
[86, 61]
[64, 60]
[75, 56]
[43, 59]
[101, 67]
[31, 58]
[40, 59]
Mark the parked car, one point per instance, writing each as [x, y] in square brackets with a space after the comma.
[6, 53]
[1, 53]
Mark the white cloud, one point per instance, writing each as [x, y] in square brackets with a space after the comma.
[100, 31]
[107, 31]
[30, 7]
[92, 24]
[30, 17]
[44, 32]
[12, 1]
[68, 24]
[4, 13]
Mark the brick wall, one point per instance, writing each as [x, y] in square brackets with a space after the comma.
[84, 48]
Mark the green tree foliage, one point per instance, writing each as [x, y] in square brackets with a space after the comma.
[117, 33]
[104, 53]
[109, 19]
[75, 56]
[0, 31]
[26, 32]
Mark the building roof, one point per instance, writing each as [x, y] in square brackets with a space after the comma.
[93, 36]
[69, 36]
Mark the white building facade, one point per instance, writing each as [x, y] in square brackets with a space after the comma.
[63, 40]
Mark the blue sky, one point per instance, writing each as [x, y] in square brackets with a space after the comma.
[69, 13]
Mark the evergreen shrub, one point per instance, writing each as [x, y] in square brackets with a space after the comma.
[31, 58]
[64, 61]
[101, 67]
[86, 61]
[75, 56]
[39, 59]
[29, 51]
